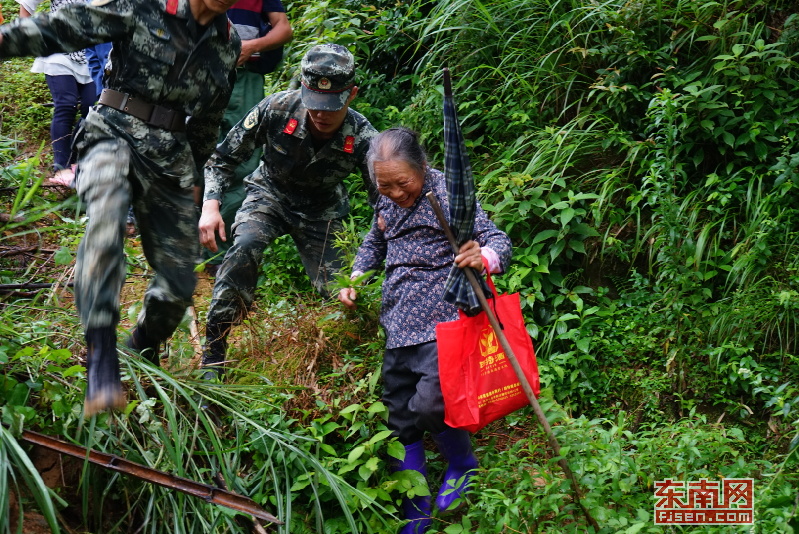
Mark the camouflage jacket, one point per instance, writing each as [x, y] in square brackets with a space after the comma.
[305, 180]
[157, 56]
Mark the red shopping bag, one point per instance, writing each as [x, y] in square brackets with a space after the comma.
[477, 379]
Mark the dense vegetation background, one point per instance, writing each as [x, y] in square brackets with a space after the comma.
[643, 158]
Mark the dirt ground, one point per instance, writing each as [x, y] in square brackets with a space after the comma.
[59, 473]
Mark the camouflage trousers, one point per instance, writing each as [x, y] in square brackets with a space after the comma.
[111, 177]
[260, 221]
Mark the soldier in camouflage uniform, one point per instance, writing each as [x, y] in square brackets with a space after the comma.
[311, 142]
[145, 143]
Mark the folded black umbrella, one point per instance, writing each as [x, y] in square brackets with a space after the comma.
[462, 203]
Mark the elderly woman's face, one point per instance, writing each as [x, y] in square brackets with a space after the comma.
[398, 181]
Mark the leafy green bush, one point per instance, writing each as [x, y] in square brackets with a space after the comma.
[618, 466]
[23, 99]
[642, 157]
[298, 471]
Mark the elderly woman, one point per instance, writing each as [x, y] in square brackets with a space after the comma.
[407, 236]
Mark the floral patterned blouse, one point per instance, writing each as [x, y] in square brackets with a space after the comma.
[418, 259]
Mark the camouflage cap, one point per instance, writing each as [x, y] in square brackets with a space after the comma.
[328, 76]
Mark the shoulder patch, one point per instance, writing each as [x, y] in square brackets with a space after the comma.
[291, 125]
[160, 33]
[100, 3]
[252, 119]
[349, 144]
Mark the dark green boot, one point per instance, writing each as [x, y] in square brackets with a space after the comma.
[103, 386]
[149, 348]
[213, 362]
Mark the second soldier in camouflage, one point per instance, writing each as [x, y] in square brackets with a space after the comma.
[311, 142]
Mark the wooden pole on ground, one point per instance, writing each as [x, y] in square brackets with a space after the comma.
[212, 494]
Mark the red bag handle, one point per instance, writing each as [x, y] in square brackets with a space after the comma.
[491, 285]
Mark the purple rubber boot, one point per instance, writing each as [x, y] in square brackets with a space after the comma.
[415, 509]
[456, 446]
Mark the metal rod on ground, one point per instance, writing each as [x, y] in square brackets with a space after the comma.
[206, 492]
[528, 390]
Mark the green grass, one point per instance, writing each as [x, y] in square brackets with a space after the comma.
[642, 157]
[22, 103]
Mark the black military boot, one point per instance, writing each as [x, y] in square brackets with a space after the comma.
[145, 345]
[103, 386]
[213, 363]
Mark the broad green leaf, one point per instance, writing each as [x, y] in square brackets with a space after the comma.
[63, 256]
[350, 408]
[70, 371]
[380, 436]
[356, 453]
[544, 235]
[566, 216]
[577, 246]
[376, 407]
[556, 248]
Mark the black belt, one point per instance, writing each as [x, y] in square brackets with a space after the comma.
[154, 115]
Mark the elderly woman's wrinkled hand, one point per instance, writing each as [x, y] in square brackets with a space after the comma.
[347, 296]
[469, 255]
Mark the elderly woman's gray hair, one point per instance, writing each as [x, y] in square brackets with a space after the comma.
[394, 144]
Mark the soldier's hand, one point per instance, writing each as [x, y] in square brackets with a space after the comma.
[347, 297]
[211, 223]
[248, 48]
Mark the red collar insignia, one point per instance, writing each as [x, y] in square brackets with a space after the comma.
[291, 125]
[349, 144]
[172, 7]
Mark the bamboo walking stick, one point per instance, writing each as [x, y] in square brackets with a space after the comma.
[528, 390]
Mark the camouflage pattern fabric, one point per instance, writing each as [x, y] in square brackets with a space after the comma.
[162, 59]
[305, 181]
[328, 76]
[298, 190]
[258, 222]
[248, 92]
[112, 174]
